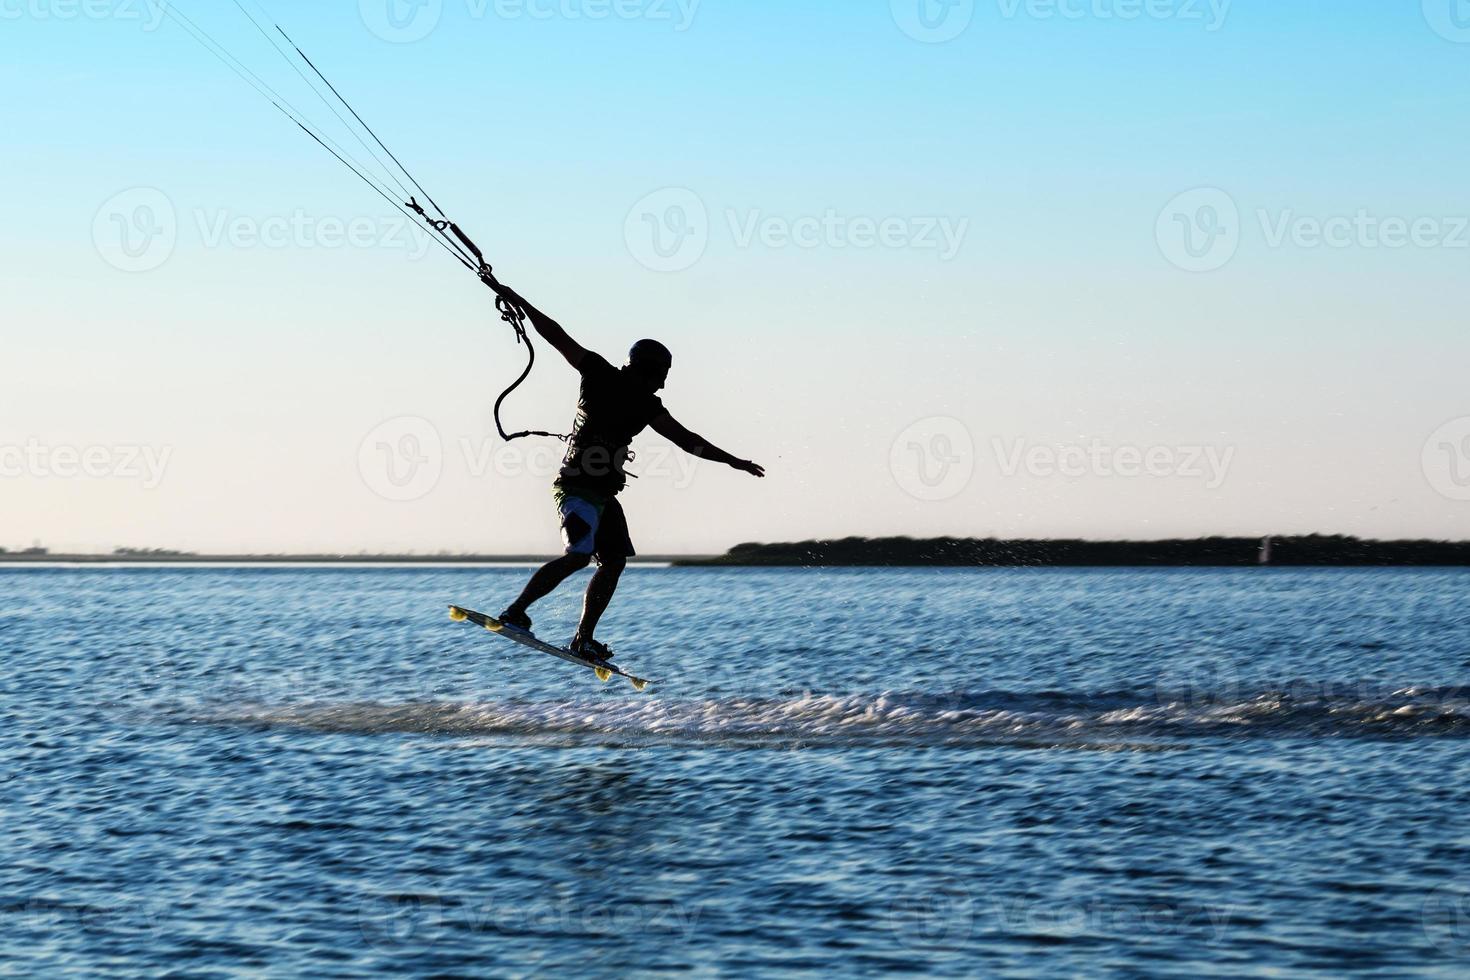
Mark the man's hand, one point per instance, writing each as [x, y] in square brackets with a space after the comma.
[548, 328]
[696, 445]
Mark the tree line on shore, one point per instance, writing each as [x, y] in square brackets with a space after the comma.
[1214, 551]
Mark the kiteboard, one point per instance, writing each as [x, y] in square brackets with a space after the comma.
[601, 668]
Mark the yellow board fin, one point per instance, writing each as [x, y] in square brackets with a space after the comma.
[603, 674]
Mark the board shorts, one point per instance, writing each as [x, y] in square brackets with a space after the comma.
[593, 527]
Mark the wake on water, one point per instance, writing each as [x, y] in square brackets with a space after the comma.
[957, 720]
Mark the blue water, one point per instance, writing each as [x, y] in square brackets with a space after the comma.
[1012, 772]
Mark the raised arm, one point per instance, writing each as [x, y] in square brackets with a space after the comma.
[545, 326]
[695, 445]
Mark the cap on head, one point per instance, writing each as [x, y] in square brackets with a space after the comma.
[651, 356]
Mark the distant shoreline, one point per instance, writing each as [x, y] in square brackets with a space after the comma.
[1293, 551]
[17, 558]
[1217, 552]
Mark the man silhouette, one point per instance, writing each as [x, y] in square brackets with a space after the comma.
[615, 405]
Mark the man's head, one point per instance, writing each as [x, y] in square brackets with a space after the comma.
[650, 361]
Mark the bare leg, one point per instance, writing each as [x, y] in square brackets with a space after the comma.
[547, 578]
[599, 593]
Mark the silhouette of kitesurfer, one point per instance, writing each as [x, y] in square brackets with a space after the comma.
[615, 405]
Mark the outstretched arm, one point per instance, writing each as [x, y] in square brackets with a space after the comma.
[545, 326]
[666, 426]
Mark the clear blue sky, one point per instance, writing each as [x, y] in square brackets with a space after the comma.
[1050, 140]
